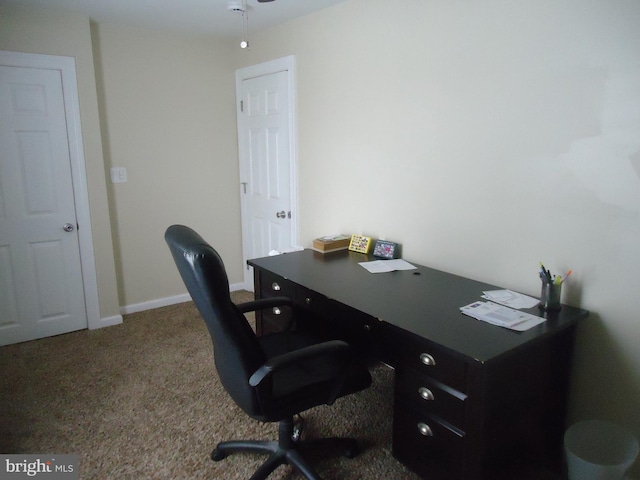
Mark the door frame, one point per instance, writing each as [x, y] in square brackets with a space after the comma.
[284, 64]
[67, 68]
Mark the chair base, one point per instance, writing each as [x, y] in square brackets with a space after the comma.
[286, 451]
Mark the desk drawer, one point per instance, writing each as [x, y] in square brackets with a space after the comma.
[272, 285]
[275, 319]
[430, 396]
[430, 359]
[427, 445]
[336, 320]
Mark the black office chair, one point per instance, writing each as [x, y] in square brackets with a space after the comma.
[272, 377]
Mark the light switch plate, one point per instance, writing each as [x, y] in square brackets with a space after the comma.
[118, 174]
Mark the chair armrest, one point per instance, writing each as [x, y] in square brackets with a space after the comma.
[335, 349]
[263, 303]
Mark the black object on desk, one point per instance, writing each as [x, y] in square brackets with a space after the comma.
[472, 400]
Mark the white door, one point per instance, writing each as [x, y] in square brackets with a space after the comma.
[41, 283]
[267, 173]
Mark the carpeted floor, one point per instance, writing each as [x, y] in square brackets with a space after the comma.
[142, 400]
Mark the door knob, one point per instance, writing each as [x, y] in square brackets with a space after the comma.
[68, 227]
[281, 214]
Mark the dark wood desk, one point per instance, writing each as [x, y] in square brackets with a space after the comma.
[472, 400]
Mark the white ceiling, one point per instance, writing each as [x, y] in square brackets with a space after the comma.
[197, 16]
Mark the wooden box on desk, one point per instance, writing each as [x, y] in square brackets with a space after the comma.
[331, 243]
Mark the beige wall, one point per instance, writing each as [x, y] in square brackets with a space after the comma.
[60, 33]
[485, 137]
[161, 105]
[168, 116]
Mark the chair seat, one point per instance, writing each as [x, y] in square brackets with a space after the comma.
[305, 385]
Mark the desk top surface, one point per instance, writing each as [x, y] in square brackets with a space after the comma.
[425, 304]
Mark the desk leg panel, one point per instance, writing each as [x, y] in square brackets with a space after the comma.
[522, 410]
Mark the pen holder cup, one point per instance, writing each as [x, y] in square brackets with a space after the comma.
[550, 296]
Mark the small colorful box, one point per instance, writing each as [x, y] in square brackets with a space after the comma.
[360, 244]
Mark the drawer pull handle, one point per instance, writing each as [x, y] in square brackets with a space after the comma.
[367, 327]
[275, 286]
[308, 300]
[427, 359]
[426, 394]
[425, 430]
[276, 311]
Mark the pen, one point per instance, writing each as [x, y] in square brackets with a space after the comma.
[567, 275]
[546, 272]
[543, 277]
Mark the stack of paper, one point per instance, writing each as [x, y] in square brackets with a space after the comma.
[383, 266]
[510, 298]
[502, 316]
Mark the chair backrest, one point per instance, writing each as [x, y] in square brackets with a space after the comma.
[236, 349]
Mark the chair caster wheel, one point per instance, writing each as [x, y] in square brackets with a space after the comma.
[297, 430]
[217, 455]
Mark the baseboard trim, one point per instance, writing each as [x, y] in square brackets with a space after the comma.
[107, 322]
[166, 301]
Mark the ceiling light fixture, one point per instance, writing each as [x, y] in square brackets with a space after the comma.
[240, 6]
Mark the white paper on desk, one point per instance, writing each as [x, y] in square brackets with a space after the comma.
[293, 248]
[510, 298]
[501, 316]
[383, 266]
